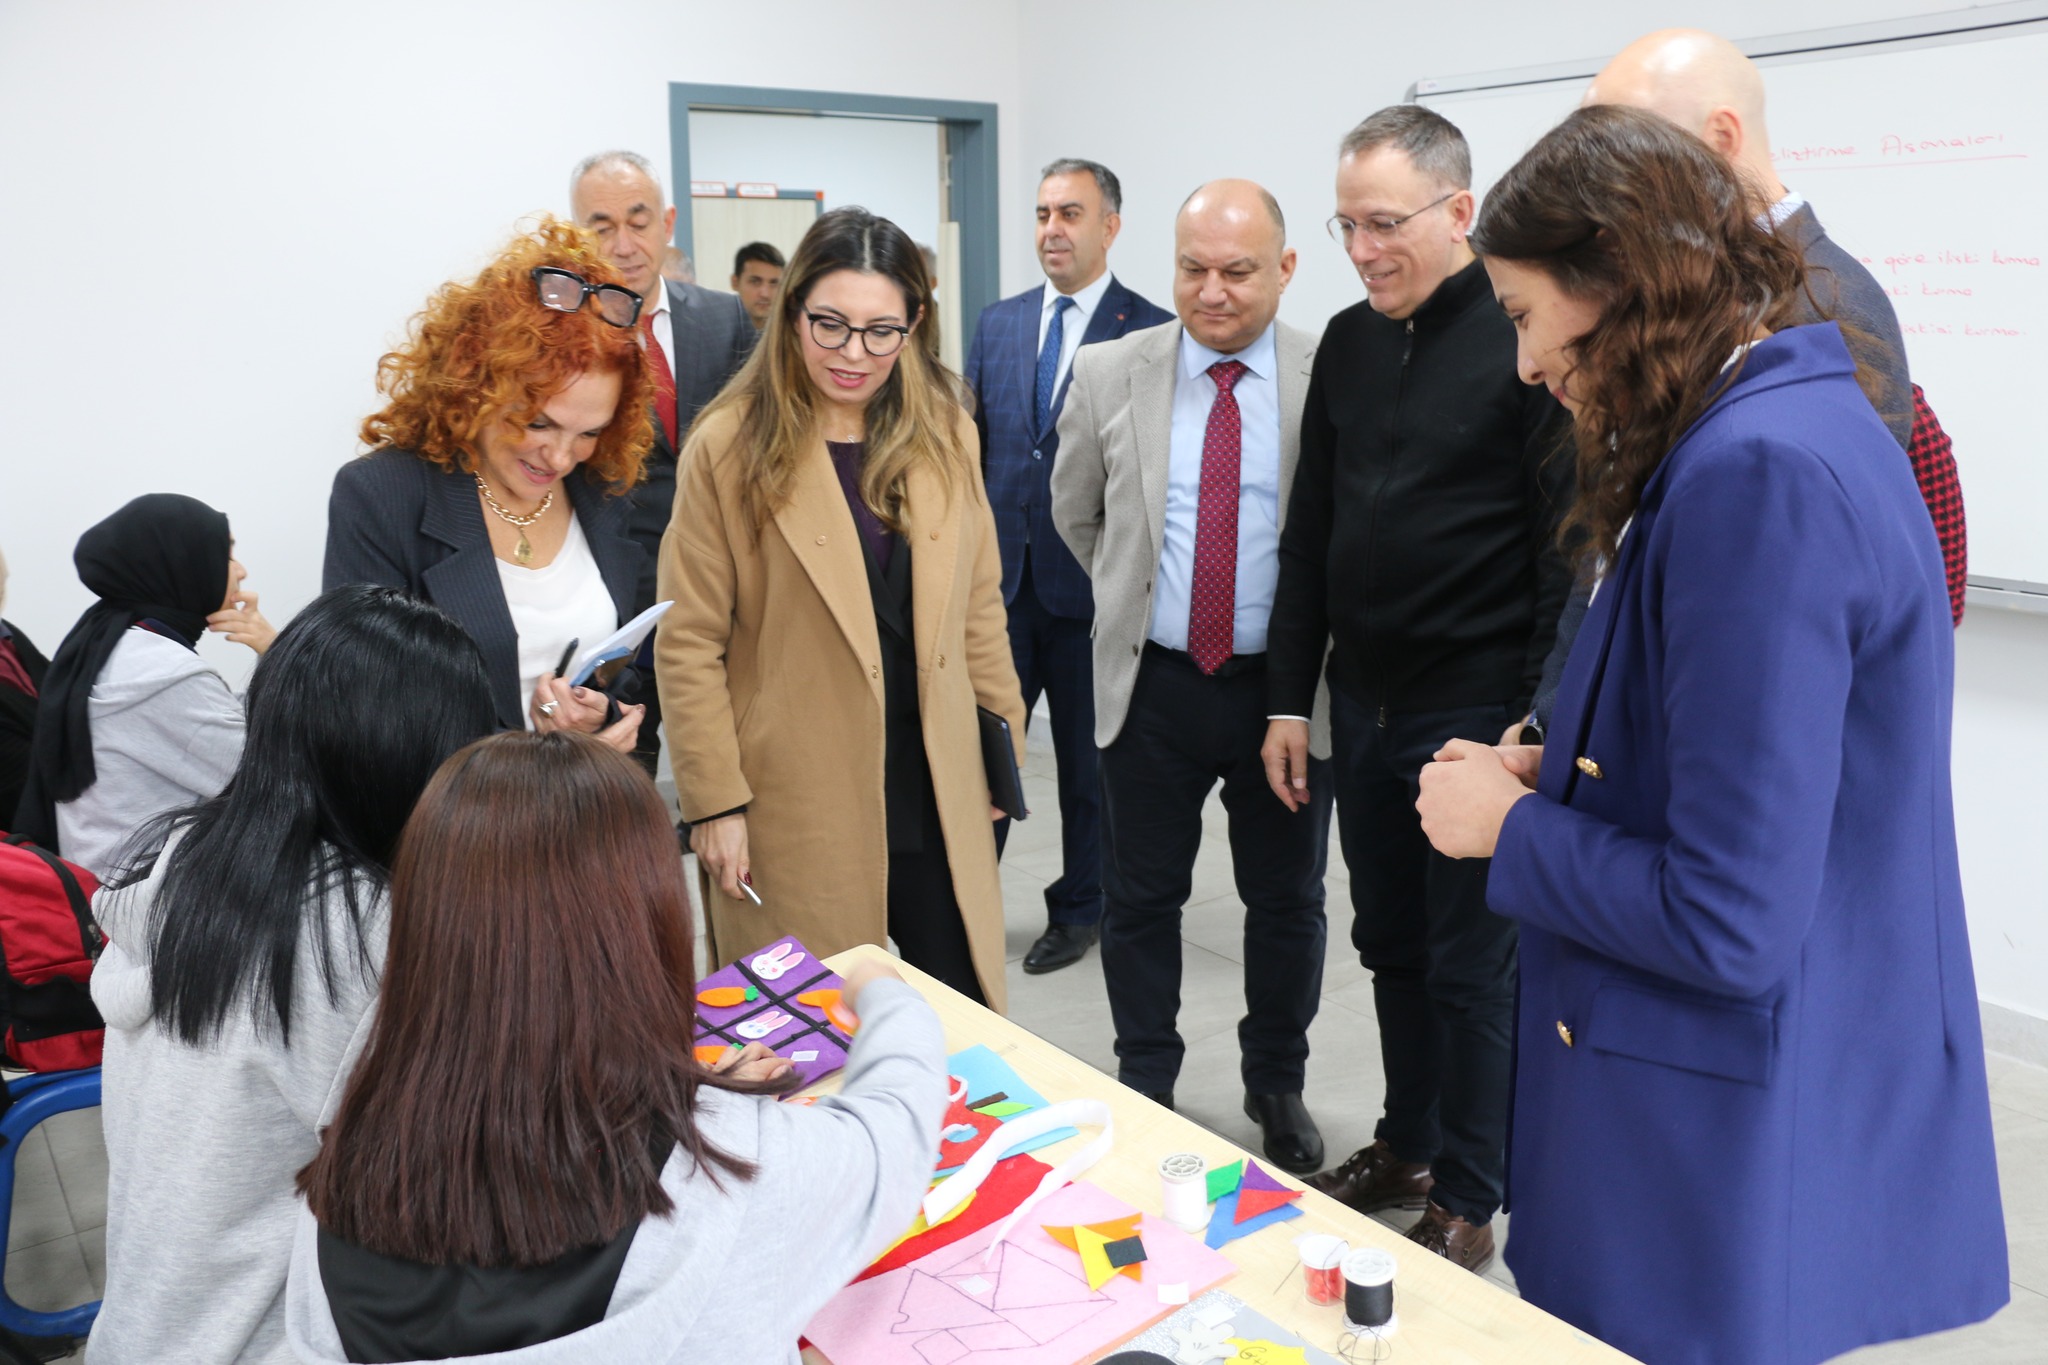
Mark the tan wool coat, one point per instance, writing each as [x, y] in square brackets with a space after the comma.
[771, 686]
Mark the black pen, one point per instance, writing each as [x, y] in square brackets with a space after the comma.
[562, 668]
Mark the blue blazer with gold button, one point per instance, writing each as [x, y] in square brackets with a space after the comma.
[1750, 1116]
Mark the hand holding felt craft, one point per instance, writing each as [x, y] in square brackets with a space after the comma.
[769, 1011]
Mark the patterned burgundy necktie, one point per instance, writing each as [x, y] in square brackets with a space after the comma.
[664, 382]
[1212, 605]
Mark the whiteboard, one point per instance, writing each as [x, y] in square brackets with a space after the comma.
[1923, 148]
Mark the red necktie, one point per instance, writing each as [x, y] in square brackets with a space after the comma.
[664, 382]
[1212, 605]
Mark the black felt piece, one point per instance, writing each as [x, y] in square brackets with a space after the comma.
[1129, 1251]
[1136, 1358]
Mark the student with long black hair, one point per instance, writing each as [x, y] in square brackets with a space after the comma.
[243, 960]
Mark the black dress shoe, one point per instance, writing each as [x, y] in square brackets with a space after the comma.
[1292, 1142]
[1163, 1098]
[1061, 945]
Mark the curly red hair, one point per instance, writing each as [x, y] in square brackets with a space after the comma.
[489, 351]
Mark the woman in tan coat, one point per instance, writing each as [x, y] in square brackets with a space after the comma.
[838, 617]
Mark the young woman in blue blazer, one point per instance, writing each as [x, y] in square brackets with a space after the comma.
[1750, 1115]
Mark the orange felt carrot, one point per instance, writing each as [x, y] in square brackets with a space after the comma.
[708, 1056]
[720, 997]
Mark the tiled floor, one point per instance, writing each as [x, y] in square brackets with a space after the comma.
[57, 1245]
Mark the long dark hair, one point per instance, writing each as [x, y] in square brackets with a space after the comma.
[913, 418]
[1625, 209]
[361, 698]
[532, 1054]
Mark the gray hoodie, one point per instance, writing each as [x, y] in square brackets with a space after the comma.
[166, 732]
[203, 1144]
[734, 1273]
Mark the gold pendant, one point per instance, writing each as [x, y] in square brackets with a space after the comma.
[522, 553]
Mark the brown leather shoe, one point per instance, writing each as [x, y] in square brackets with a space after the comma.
[1372, 1179]
[1452, 1238]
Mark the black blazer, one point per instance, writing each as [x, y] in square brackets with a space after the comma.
[713, 338]
[17, 726]
[405, 522]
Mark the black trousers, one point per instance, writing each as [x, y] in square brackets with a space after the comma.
[1443, 965]
[924, 912]
[1053, 655]
[1184, 732]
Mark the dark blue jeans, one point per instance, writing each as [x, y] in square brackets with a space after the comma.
[1443, 964]
[1184, 732]
[1052, 654]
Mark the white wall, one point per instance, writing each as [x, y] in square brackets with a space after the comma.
[1169, 93]
[217, 215]
[887, 166]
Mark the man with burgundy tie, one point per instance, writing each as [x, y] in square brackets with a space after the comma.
[1018, 366]
[1177, 452]
[1419, 564]
[700, 335]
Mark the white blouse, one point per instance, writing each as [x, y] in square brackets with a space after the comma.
[551, 606]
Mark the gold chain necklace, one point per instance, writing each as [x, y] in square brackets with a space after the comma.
[522, 553]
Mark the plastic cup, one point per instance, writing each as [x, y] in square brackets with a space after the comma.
[1322, 1258]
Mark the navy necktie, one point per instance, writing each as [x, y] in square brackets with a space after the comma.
[1049, 361]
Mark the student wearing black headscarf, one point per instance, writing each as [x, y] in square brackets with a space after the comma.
[132, 723]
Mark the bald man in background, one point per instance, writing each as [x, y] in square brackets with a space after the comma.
[1707, 86]
[1177, 450]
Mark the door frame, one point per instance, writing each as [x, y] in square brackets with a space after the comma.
[970, 141]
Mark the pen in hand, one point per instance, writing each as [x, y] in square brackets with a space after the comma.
[568, 653]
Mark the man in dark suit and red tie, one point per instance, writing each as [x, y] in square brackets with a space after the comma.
[700, 336]
[1023, 353]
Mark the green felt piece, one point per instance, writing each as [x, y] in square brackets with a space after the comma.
[1224, 1179]
[1004, 1110]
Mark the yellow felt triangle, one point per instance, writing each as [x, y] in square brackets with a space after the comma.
[1115, 1230]
[1094, 1260]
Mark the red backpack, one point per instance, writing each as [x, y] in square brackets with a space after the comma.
[49, 942]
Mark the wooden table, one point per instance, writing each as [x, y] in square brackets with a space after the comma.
[1447, 1316]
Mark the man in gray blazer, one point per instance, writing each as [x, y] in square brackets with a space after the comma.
[701, 335]
[1177, 449]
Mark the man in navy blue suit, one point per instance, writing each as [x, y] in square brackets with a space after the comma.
[1022, 355]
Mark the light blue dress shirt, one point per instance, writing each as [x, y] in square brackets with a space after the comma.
[1258, 492]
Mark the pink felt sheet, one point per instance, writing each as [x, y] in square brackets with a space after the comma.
[1029, 1304]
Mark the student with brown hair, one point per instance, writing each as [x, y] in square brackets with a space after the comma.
[529, 1159]
[838, 618]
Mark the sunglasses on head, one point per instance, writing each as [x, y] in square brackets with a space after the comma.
[565, 291]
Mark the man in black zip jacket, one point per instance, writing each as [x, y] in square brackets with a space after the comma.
[1420, 552]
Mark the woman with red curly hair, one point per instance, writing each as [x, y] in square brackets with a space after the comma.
[495, 487]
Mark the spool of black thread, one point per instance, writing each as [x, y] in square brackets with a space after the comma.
[1369, 1292]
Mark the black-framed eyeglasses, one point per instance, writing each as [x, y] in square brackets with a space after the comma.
[878, 339]
[565, 291]
[1380, 228]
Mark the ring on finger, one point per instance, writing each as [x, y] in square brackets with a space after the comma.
[547, 708]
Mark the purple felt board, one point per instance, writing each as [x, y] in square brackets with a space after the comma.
[805, 1029]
